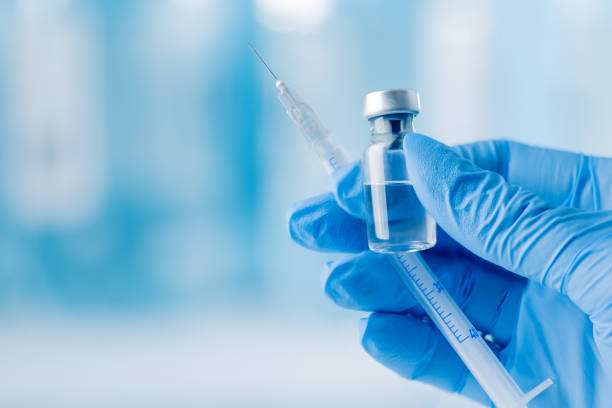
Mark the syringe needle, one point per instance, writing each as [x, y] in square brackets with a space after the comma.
[262, 60]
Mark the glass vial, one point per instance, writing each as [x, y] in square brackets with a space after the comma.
[396, 220]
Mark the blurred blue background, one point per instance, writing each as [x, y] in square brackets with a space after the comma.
[146, 167]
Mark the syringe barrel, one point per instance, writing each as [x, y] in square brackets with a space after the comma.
[461, 335]
[332, 156]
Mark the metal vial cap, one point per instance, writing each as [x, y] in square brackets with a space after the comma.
[391, 101]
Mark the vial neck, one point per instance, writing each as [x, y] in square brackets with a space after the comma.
[390, 129]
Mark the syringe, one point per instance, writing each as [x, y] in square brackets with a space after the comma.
[420, 280]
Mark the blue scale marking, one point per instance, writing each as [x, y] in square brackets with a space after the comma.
[427, 293]
[332, 161]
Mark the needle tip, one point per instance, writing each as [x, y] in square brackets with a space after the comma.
[262, 61]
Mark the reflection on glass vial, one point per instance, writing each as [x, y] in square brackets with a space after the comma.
[396, 221]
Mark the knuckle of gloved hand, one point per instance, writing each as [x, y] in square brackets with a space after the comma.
[338, 283]
[295, 226]
[348, 191]
[375, 339]
[381, 343]
[358, 281]
[305, 220]
[385, 342]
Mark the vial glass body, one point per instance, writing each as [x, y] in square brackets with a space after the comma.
[396, 220]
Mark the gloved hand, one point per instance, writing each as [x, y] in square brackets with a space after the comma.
[524, 247]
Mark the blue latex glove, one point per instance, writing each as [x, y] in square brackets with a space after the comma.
[524, 247]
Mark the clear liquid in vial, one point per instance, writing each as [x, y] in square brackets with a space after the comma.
[396, 220]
